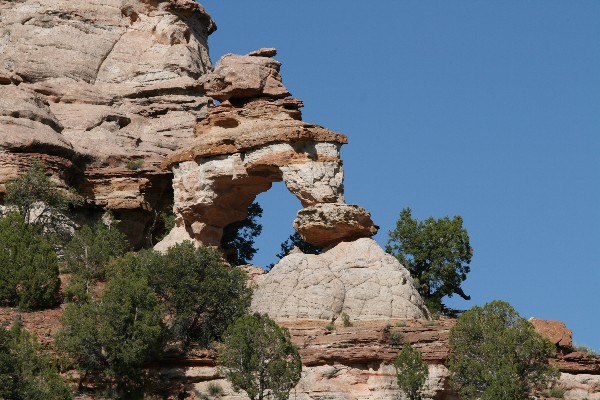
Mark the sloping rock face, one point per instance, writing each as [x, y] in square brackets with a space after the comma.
[357, 278]
[98, 84]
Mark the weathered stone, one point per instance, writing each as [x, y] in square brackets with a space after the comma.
[555, 331]
[232, 129]
[101, 83]
[329, 223]
[253, 75]
[264, 52]
[238, 153]
[357, 278]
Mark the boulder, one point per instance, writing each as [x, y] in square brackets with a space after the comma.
[555, 331]
[252, 75]
[357, 278]
[330, 223]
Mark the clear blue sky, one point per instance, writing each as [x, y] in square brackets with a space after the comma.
[488, 110]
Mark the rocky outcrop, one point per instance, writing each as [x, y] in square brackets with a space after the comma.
[102, 84]
[555, 331]
[253, 138]
[357, 278]
[349, 363]
[256, 74]
[330, 223]
[256, 137]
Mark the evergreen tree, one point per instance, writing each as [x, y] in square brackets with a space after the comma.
[258, 357]
[202, 293]
[28, 266]
[295, 240]
[497, 355]
[411, 373]
[38, 199]
[238, 238]
[26, 373]
[436, 253]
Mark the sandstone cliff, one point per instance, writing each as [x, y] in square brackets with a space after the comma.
[101, 91]
[116, 97]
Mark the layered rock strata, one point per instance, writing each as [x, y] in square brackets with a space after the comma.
[100, 84]
[254, 138]
[348, 363]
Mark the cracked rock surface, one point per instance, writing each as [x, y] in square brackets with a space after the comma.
[357, 278]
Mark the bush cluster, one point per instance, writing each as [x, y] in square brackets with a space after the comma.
[26, 373]
[28, 266]
[186, 296]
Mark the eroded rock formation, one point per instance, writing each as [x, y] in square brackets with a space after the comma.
[357, 278]
[95, 85]
[253, 138]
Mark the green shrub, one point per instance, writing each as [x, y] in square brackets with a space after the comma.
[39, 201]
[588, 351]
[330, 327]
[555, 393]
[119, 332]
[91, 249]
[258, 357]
[135, 164]
[28, 266]
[395, 338]
[411, 372]
[130, 322]
[497, 355]
[79, 338]
[202, 294]
[26, 373]
[214, 389]
[346, 320]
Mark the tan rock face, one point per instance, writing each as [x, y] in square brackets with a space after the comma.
[100, 83]
[357, 278]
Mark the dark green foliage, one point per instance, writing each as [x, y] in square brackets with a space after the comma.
[28, 266]
[258, 357]
[497, 355]
[87, 256]
[33, 190]
[202, 294]
[79, 338]
[238, 237]
[91, 248]
[435, 252]
[121, 331]
[130, 322]
[25, 372]
[411, 372]
[296, 240]
[125, 328]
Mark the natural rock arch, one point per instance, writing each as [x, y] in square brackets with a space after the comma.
[244, 146]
